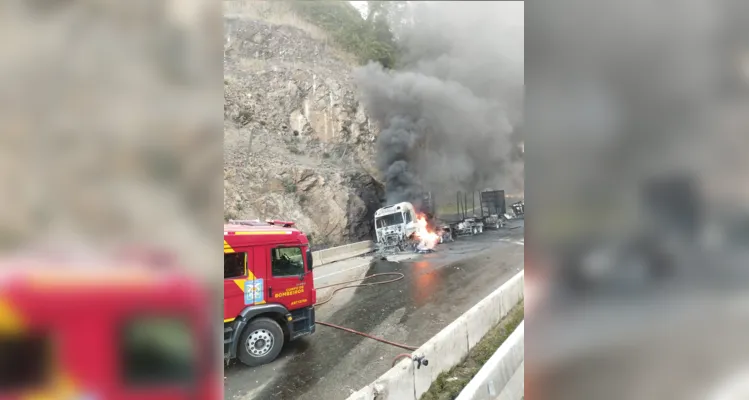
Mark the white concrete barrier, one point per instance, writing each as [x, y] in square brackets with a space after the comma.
[499, 376]
[397, 383]
[333, 254]
[515, 388]
[446, 349]
[443, 351]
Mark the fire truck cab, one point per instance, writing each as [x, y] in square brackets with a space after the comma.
[102, 334]
[269, 292]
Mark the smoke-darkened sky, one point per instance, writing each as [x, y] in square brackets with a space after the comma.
[447, 113]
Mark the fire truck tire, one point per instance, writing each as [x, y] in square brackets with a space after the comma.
[260, 342]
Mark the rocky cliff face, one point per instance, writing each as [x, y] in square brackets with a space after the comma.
[297, 143]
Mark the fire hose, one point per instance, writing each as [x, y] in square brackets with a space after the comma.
[398, 274]
[418, 359]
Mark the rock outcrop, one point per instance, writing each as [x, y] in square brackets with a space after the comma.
[297, 143]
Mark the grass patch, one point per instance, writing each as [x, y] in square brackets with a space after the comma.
[365, 39]
[449, 384]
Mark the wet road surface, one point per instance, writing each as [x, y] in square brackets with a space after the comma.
[437, 288]
[673, 339]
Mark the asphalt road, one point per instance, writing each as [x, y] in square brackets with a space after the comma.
[437, 288]
[682, 338]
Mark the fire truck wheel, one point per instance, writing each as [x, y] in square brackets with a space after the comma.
[260, 343]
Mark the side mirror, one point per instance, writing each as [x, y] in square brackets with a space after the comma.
[309, 259]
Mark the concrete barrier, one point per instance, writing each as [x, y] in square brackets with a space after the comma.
[443, 351]
[333, 254]
[515, 388]
[501, 376]
[446, 349]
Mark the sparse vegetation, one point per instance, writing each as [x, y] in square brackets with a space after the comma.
[449, 384]
[367, 39]
[292, 144]
[289, 185]
[277, 66]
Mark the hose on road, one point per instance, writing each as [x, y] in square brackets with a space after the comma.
[398, 276]
[402, 346]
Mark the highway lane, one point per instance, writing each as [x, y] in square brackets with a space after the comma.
[437, 288]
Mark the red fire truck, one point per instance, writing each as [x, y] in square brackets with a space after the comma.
[269, 292]
[98, 333]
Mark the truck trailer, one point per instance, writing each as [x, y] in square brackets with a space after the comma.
[490, 214]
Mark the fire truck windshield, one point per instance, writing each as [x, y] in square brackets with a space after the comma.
[389, 220]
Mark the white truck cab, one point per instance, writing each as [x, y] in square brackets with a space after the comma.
[395, 224]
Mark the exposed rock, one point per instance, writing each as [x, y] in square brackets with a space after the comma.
[298, 145]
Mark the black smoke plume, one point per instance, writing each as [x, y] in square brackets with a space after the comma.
[447, 113]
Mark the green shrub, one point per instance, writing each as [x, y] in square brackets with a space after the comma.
[368, 39]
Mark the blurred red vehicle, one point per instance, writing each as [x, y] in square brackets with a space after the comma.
[100, 333]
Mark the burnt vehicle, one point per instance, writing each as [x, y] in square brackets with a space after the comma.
[407, 226]
[395, 227]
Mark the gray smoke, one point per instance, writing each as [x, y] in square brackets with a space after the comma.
[449, 113]
[612, 107]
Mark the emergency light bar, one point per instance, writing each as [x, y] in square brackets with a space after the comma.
[249, 222]
[285, 224]
[257, 222]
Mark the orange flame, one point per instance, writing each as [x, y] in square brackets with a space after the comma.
[427, 239]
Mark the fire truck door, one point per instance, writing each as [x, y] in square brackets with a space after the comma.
[235, 278]
[291, 281]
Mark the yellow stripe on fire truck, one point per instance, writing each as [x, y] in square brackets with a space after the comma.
[61, 385]
[10, 321]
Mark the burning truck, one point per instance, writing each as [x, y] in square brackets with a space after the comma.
[400, 227]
